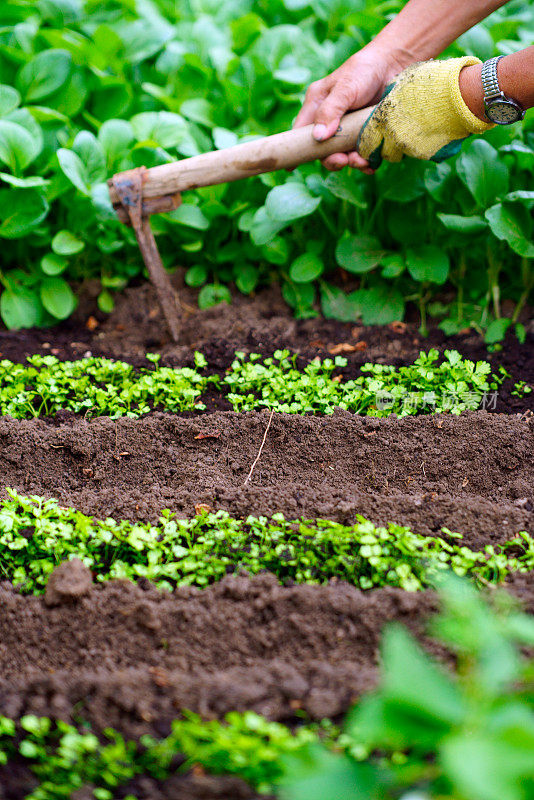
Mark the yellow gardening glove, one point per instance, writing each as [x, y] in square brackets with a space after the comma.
[422, 115]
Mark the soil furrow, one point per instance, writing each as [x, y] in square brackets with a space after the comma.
[472, 473]
[131, 657]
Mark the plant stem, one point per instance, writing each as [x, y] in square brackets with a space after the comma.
[493, 283]
[328, 222]
[460, 299]
[528, 282]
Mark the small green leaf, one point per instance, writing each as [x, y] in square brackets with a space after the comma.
[57, 297]
[105, 301]
[66, 243]
[276, 251]
[469, 225]
[53, 264]
[31, 182]
[336, 304]
[246, 277]
[306, 267]
[20, 308]
[427, 263]
[381, 305]
[359, 254]
[198, 109]
[393, 265]
[9, 99]
[17, 147]
[197, 275]
[115, 136]
[496, 330]
[264, 228]
[91, 154]
[74, 168]
[213, 294]
[483, 172]
[299, 296]
[512, 223]
[190, 216]
[346, 187]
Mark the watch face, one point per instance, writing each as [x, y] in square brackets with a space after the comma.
[503, 112]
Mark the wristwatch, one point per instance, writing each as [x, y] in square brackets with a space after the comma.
[499, 108]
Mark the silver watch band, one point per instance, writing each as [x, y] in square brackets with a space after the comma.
[490, 80]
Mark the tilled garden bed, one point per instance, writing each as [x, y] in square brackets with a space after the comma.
[132, 657]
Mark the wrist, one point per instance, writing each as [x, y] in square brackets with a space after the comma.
[470, 82]
[393, 59]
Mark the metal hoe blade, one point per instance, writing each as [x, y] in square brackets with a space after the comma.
[136, 212]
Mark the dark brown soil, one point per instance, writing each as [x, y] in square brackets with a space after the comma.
[472, 474]
[131, 658]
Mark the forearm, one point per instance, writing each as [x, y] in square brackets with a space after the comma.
[424, 28]
[516, 79]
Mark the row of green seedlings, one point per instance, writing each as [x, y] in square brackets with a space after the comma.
[100, 386]
[424, 733]
[37, 534]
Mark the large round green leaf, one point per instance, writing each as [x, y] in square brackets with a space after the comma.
[57, 297]
[290, 201]
[21, 210]
[381, 305]
[20, 308]
[44, 74]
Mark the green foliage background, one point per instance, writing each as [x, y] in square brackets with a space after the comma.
[91, 88]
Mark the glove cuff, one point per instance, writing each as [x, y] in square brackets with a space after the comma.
[472, 123]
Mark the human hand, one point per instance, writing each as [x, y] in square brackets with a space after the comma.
[357, 83]
[424, 115]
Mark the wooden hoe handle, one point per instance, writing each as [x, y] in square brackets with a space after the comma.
[281, 151]
[138, 193]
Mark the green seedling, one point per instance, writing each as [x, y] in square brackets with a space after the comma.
[37, 534]
[101, 387]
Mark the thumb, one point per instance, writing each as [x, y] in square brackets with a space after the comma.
[329, 113]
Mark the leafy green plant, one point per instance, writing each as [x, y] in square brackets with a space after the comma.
[98, 386]
[101, 386]
[91, 88]
[430, 733]
[65, 759]
[37, 534]
[454, 385]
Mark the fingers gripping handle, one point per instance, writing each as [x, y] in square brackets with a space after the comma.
[281, 151]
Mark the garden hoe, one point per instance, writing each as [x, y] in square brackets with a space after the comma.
[138, 193]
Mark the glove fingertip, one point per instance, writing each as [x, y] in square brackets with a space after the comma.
[448, 151]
